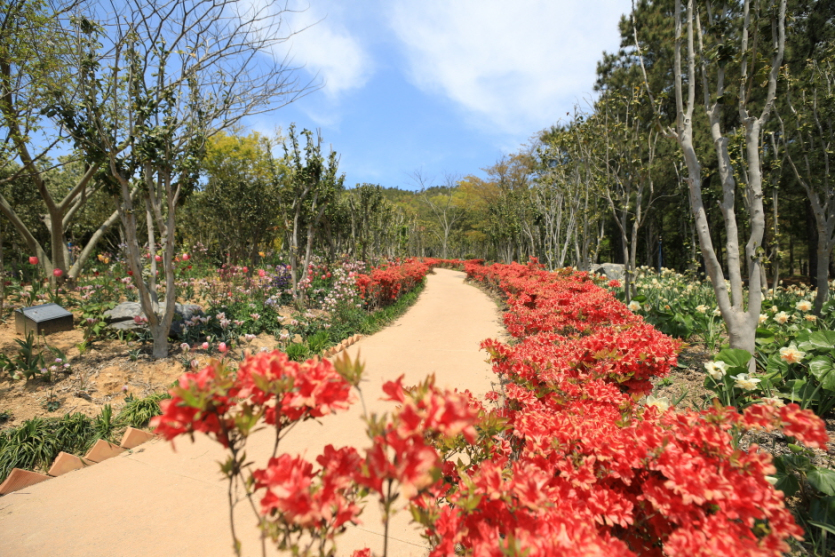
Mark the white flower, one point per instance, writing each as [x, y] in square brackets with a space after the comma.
[771, 479]
[746, 383]
[702, 309]
[716, 369]
[803, 305]
[773, 401]
[811, 318]
[634, 306]
[717, 312]
[790, 354]
[773, 309]
[662, 403]
[763, 318]
[781, 318]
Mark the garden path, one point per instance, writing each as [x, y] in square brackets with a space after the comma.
[158, 501]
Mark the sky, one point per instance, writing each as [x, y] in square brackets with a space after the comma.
[439, 88]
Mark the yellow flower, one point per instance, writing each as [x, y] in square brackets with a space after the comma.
[662, 403]
[781, 318]
[803, 305]
[811, 318]
[763, 318]
[791, 354]
[773, 401]
[746, 383]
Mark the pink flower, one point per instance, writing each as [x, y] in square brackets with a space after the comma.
[222, 347]
[262, 273]
[57, 273]
[158, 258]
[205, 346]
[33, 260]
[186, 257]
[245, 270]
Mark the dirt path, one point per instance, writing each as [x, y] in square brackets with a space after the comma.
[155, 501]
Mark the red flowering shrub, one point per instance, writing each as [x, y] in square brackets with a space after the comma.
[384, 284]
[581, 467]
[563, 461]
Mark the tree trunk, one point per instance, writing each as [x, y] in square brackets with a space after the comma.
[812, 244]
[824, 251]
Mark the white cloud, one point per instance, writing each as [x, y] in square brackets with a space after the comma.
[324, 47]
[515, 66]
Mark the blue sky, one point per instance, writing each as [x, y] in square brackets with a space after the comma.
[441, 87]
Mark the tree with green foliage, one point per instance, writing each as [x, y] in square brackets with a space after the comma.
[312, 185]
[173, 75]
[808, 134]
[40, 58]
[731, 38]
[235, 211]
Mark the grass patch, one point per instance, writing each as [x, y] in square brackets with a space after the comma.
[36, 442]
[139, 411]
[373, 322]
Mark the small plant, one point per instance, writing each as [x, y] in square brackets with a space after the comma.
[815, 487]
[318, 342]
[5, 416]
[297, 352]
[104, 424]
[74, 433]
[51, 404]
[133, 355]
[29, 446]
[138, 412]
[27, 362]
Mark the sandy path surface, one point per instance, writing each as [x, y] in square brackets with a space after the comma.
[154, 501]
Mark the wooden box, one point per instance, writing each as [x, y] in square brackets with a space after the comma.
[43, 320]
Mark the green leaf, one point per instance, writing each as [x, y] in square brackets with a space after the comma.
[765, 336]
[640, 298]
[823, 479]
[776, 365]
[822, 526]
[824, 371]
[788, 484]
[823, 510]
[822, 339]
[734, 357]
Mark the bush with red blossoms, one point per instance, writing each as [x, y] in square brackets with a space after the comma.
[563, 460]
[384, 284]
[582, 468]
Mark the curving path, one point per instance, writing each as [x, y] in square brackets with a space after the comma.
[154, 501]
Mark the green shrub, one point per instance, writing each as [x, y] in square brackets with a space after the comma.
[138, 412]
[318, 342]
[36, 442]
[297, 352]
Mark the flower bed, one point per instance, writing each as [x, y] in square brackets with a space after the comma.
[385, 283]
[584, 467]
[565, 460]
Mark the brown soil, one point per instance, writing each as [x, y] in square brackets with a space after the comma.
[107, 373]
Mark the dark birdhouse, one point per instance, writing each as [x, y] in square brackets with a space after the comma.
[43, 320]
